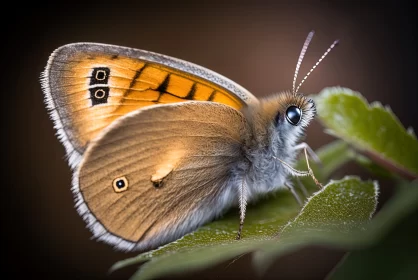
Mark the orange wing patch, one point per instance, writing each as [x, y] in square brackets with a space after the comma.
[95, 89]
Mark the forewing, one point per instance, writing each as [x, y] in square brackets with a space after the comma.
[88, 86]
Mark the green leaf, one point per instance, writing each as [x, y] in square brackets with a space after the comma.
[332, 208]
[337, 211]
[372, 128]
[215, 242]
[392, 252]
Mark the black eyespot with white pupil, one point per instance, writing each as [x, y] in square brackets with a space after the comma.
[293, 115]
[120, 184]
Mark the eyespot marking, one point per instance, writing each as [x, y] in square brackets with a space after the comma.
[99, 95]
[120, 184]
[100, 75]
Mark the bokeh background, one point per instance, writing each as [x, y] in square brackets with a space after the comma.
[255, 43]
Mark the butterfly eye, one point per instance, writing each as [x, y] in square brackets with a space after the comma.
[293, 115]
[120, 184]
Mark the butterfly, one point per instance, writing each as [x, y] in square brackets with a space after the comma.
[160, 146]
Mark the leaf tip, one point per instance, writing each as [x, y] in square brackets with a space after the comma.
[411, 132]
[113, 268]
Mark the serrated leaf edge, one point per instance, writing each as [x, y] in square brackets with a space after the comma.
[331, 182]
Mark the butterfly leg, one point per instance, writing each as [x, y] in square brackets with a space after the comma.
[312, 154]
[308, 151]
[294, 193]
[302, 187]
[242, 206]
[299, 173]
[309, 168]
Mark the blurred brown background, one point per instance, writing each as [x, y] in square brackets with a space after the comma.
[255, 43]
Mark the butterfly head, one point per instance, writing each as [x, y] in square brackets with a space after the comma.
[293, 111]
[286, 113]
[280, 117]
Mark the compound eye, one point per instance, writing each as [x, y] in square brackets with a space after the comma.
[293, 115]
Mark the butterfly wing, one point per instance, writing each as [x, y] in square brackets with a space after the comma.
[160, 172]
[88, 86]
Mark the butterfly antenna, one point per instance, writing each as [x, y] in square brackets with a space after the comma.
[319, 61]
[301, 56]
